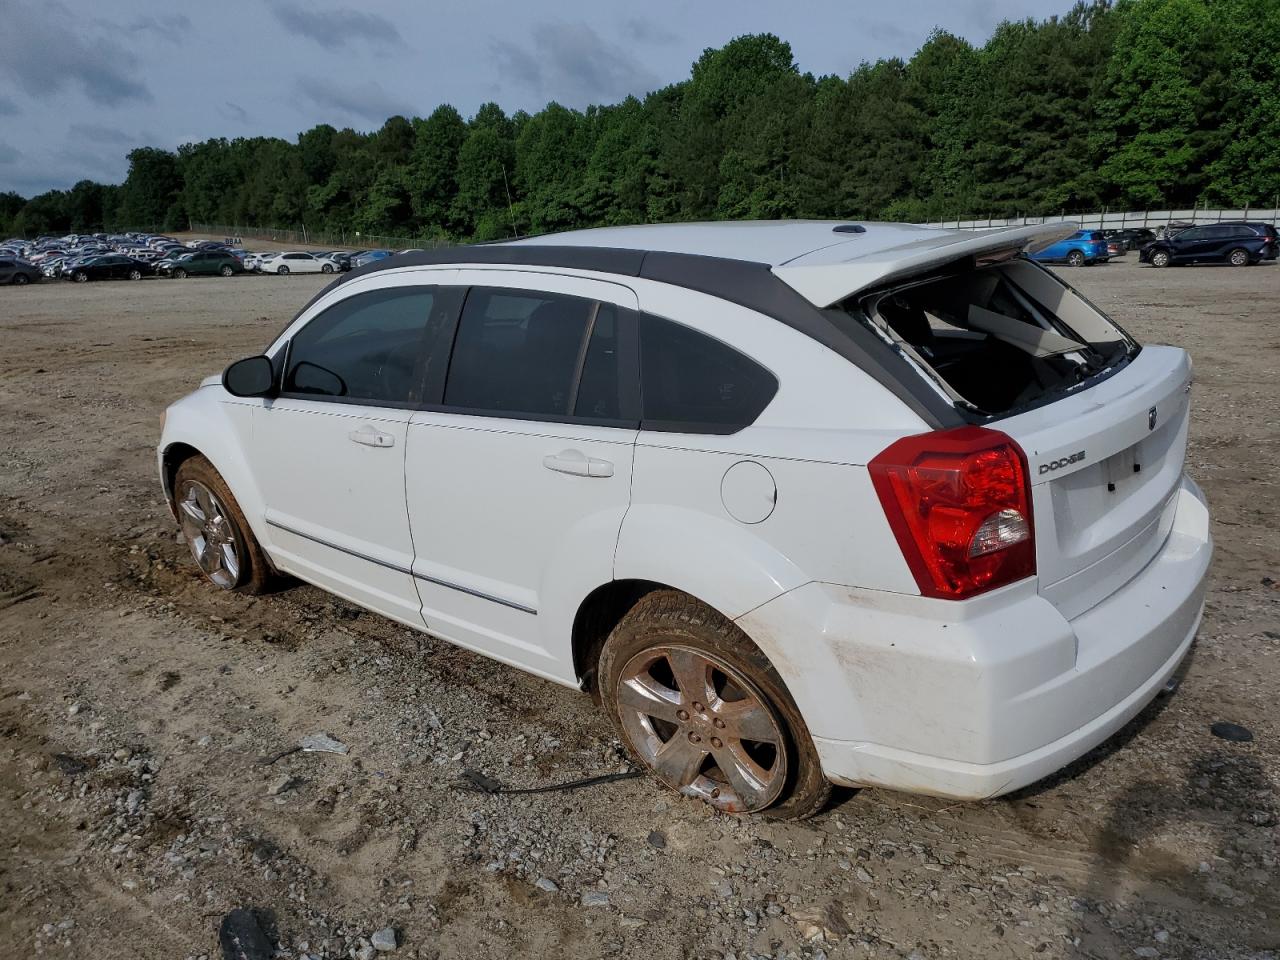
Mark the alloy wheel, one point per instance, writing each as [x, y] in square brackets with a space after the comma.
[210, 534]
[1239, 258]
[702, 727]
[21, 279]
[135, 274]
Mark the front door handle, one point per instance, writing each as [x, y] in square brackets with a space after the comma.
[371, 437]
[578, 464]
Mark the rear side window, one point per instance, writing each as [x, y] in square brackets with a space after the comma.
[517, 352]
[374, 348]
[692, 383]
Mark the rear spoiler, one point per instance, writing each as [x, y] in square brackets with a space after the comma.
[824, 280]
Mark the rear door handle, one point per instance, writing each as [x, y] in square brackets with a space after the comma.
[578, 464]
[371, 437]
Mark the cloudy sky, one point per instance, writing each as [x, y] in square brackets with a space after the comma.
[82, 82]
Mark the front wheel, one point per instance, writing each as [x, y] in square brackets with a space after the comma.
[226, 270]
[283, 271]
[1238, 257]
[1160, 258]
[1075, 259]
[701, 707]
[327, 268]
[21, 279]
[221, 542]
[179, 274]
[80, 277]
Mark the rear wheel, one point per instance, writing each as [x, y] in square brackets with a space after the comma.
[703, 709]
[221, 542]
[1075, 259]
[1160, 258]
[135, 274]
[283, 271]
[179, 274]
[226, 270]
[1239, 257]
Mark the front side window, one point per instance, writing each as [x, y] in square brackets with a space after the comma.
[517, 352]
[374, 348]
[693, 383]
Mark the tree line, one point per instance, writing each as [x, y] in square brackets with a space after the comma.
[1133, 103]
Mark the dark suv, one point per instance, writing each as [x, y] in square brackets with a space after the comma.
[1131, 238]
[1239, 244]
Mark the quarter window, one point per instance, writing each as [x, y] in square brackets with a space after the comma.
[377, 348]
[692, 383]
[517, 352]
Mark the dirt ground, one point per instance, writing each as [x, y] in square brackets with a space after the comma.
[136, 703]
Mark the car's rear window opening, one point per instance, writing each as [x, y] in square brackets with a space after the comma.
[996, 338]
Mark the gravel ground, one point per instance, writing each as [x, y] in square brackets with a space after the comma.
[136, 705]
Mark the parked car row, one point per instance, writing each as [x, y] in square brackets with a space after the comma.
[132, 256]
[1239, 243]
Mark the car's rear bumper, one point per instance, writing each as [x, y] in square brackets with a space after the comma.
[975, 699]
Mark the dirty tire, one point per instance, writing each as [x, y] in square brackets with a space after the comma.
[1075, 259]
[669, 618]
[1239, 257]
[255, 574]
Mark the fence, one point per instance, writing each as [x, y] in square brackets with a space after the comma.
[321, 238]
[1118, 220]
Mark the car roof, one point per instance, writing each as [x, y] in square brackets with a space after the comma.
[824, 260]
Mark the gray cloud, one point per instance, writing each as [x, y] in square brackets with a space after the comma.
[8, 155]
[570, 62]
[366, 102]
[8, 108]
[235, 112]
[333, 29]
[98, 133]
[647, 31]
[43, 55]
[170, 26]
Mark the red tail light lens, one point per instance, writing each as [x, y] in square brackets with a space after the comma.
[959, 503]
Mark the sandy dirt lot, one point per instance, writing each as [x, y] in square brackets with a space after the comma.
[136, 703]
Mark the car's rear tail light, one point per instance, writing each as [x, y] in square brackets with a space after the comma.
[959, 503]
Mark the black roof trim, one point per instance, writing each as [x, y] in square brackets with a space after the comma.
[747, 283]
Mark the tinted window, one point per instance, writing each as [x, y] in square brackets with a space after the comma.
[368, 347]
[516, 352]
[1195, 233]
[690, 382]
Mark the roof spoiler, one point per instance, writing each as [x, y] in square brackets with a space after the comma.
[824, 280]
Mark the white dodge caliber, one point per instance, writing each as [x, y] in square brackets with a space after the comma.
[801, 503]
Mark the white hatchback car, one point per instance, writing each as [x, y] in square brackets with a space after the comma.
[800, 502]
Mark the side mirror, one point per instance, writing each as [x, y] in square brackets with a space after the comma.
[251, 377]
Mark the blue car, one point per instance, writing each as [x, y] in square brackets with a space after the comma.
[1082, 247]
[370, 256]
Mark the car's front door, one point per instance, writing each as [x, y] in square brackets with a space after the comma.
[1191, 244]
[329, 450]
[519, 475]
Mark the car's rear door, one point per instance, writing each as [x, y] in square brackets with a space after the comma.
[329, 451]
[519, 475]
